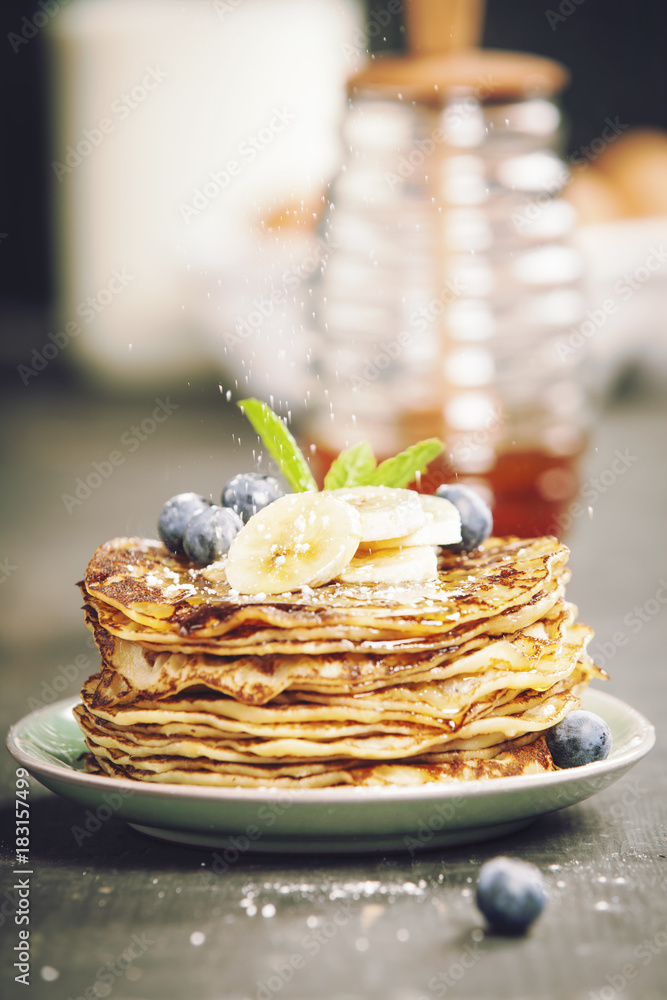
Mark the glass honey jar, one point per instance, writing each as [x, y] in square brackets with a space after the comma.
[452, 281]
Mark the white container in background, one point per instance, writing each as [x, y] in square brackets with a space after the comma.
[178, 126]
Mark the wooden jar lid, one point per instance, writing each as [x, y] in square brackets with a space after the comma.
[491, 74]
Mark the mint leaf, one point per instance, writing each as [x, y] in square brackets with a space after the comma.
[352, 467]
[400, 470]
[279, 443]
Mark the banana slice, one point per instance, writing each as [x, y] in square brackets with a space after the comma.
[442, 526]
[385, 512]
[407, 565]
[299, 540]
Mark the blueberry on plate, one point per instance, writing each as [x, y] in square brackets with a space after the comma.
[580, 738]
[209, 533]
[510, 893]
[476, 516]
[174, 517]
[249, 492]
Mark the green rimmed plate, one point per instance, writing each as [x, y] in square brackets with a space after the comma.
[49, 744]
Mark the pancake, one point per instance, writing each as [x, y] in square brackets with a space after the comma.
[376, 727]
[247, 683]
[450, 679]
[510, 759]
[131, 670]
[431, 702]
[154, 588]
[334, 743]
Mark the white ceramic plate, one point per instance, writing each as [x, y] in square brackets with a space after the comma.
[48, 743]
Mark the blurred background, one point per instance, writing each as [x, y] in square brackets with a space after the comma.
[227, 66]
[171, 173]
[192, 210]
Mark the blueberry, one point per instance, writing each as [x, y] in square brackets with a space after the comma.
[476, 516]
[510, 893]
[175, 515]
[579, 738]
[249, 492]
[209, 533]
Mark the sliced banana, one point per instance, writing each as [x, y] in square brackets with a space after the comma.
[299, 540]
[406, 565]
[442, 526]
[384, 512]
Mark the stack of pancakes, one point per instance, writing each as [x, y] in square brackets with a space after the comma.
[453, 678]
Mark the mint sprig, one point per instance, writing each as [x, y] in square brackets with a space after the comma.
[280, 444]
[400, 470]
[355, 466]
[352, 467]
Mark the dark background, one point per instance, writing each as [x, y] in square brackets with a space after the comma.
[615, 51]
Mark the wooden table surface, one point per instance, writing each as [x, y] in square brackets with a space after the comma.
[118, 914]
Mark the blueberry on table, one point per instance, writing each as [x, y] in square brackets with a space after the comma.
[510, 893]
[249, 492]
[578, 739]
[209, 533]
[174, 517]
[476, 516]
